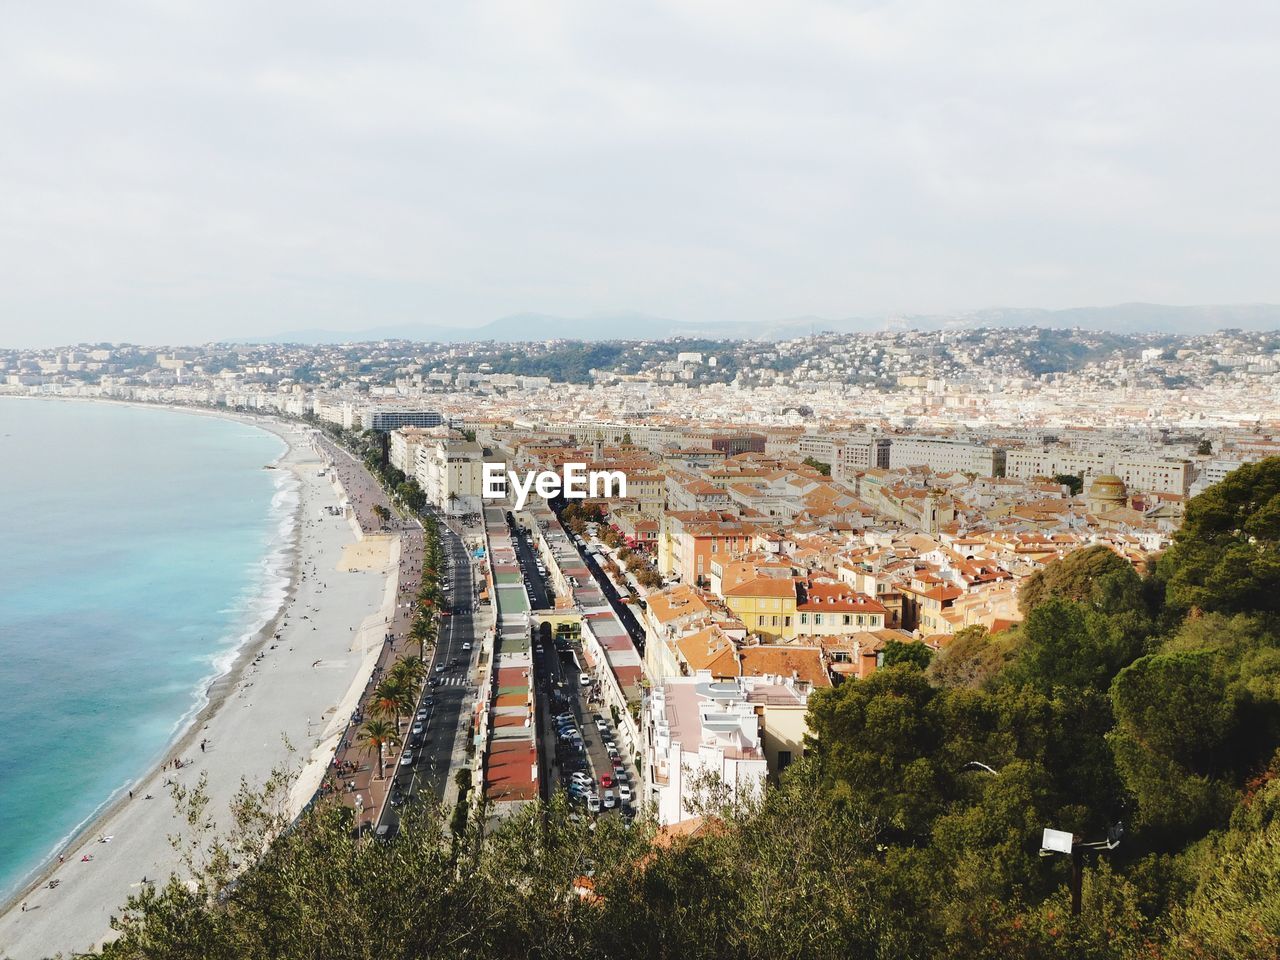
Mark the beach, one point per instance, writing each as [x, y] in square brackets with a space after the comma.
[295, 683]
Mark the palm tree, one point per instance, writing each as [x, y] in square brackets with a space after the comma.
[423, 634]
[391, 698]
[376, 735]
[411, 670]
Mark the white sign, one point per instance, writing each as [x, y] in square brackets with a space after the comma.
[1059, 841]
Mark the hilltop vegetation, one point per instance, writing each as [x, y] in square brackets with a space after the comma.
[911, 828]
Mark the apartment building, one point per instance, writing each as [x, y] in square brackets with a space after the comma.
[386, 419]
[451, 474]
[947, 454]
[694, 727]
[403, 452]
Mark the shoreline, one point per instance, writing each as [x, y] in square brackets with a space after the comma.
[219, 688]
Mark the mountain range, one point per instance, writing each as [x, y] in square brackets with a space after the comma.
[1119, 318]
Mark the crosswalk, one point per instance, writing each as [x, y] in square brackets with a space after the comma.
[453, 682]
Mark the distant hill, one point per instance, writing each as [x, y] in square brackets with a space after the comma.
[1120, 318]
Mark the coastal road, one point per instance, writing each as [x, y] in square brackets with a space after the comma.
[447, 694]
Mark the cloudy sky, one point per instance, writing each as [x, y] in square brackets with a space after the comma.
[180, 171]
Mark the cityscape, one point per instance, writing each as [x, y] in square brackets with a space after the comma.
[654, 481]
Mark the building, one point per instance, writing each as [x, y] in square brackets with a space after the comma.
[451, 474]
[404, 446]
[386, 419]
[697, 727]
[946, 455]
[862, 453]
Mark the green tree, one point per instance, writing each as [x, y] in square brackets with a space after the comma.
[1226, 556]
[1091, 576]
[912, 654]
[393, 698]
[822, 468]
[377, 735]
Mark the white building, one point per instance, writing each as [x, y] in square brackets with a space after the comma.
[947, 454]
[403, 452]
[451, 474]
[697, 727]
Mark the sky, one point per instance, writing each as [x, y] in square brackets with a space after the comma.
[177, 172]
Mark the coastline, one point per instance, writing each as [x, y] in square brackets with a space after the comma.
[219, 690]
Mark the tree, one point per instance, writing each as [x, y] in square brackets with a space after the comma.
[913, 654]
[381, 512]
[1072, 481]
[1205, 448]
[409, 670]
[972, 658]
[392, 698]
[1174, 722]
[1082, 576]
[1226, 556]
[822, 468]
[377, 735]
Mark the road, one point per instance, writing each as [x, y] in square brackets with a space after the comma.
[448, 694]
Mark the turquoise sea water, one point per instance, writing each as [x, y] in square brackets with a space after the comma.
[138, 548]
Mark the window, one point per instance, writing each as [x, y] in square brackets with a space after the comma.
[784, 760]
[846, 620]
[861, 619]
[760, 621]
[817, 619]
[786, 621]
[775, 621]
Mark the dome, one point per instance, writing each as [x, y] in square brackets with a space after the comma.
[1108, 487]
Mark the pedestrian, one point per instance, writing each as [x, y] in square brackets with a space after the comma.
[130, 794]
[24, 906]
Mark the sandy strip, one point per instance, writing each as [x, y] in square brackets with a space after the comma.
[301, 686]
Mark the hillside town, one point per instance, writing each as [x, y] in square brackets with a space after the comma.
[795, 514]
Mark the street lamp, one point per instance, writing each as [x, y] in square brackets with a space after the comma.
[1061, 841]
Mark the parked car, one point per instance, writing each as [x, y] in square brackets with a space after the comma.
[624, 793]
[585, 679]
[606, 780]
[407, 759]
[417, 728]
[593, 803]
[610, 801]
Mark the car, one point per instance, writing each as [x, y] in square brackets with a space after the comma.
[593, 803]
[429, 701]
[610, 801]
[580, 775]
[439, 668]
[453, 661]
[585, 679]
[435, 681]
[618, 763]
[466, 645]
[610, 745]
[416, 728]
[622, 777]
[407, 759]
[606, 780]
[624, 793]
[421, 714]
[602, 726]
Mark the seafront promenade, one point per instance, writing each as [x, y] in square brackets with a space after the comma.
[353, 774]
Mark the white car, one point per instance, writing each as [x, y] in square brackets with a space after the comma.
[624, 793]
[417, 728]
[593, 803]
[585, 679]
[609, 800]
[467, 645]
[407, 759]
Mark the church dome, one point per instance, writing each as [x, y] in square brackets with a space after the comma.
[1108, 488]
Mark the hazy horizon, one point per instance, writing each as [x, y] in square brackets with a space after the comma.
[178, 174]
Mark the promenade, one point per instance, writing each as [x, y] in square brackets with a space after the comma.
[353, 774]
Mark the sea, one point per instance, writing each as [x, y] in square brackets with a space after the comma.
[139, 549]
